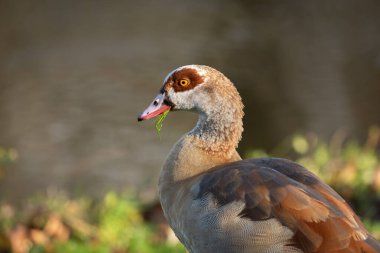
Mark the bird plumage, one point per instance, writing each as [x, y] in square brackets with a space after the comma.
[217, 202]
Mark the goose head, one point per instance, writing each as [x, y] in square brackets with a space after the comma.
[206, 91]
[196, 88]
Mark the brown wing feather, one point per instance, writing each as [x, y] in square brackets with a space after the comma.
[278, 188]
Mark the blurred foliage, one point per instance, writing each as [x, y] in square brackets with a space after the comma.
[118, 223]
[350, 167]
[7, 156]
[56, 223]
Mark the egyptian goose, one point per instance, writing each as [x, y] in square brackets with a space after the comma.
[217, 202]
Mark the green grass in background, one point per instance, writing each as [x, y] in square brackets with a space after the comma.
[53, 222]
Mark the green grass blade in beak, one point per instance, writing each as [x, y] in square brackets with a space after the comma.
[159, 122]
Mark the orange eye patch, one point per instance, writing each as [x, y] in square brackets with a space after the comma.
[183, 80]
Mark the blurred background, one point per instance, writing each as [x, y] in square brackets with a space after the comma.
[74, 75]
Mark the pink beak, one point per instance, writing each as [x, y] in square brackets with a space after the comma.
[157, 107]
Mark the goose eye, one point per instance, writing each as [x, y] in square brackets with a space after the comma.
[183, 82]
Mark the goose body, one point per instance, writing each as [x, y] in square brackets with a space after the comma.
[217, 202]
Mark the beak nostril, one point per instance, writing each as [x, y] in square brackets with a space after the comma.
[155, 108]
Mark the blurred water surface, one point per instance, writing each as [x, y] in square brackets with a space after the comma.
[75, 74]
